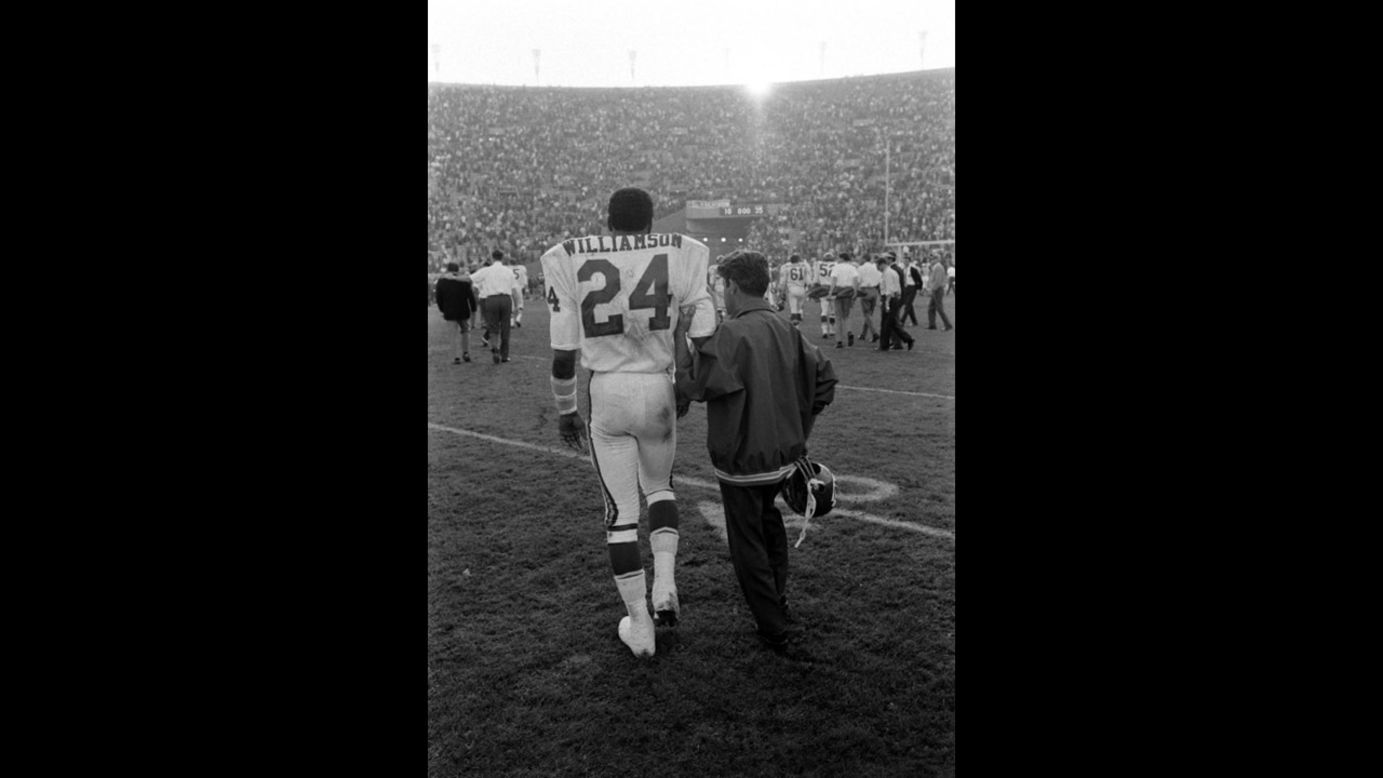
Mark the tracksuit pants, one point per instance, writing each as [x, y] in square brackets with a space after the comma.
[759, 551]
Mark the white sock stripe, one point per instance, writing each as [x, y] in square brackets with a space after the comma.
[662, 531]
[662, 495]
[622, 536]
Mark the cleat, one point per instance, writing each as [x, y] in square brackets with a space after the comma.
[466, 357]
[494, 355]
[851, 336]
[456, 361]
[639, 641]
[665, 605]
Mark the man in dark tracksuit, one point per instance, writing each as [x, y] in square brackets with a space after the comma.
[457, 302]
[763, 385]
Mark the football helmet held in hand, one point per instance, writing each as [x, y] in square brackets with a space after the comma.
[810, 490]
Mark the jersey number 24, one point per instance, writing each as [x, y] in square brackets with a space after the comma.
[650, 292]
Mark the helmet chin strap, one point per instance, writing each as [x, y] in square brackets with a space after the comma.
[812, 483]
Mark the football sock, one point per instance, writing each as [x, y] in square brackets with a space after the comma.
[633, 590]
[662, 538]
[623, 544]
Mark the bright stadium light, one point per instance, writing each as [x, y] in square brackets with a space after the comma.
[758, 89]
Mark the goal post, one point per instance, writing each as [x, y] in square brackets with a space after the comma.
[950, 245]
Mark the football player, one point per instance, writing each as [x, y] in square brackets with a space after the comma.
[820, 291]
[520, 275]
[626, 303]
[793, 278]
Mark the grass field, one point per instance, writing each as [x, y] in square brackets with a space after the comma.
[526, 675]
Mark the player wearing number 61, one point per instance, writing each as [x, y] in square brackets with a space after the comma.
[625, 302]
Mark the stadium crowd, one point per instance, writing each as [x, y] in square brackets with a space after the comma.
[519, 169]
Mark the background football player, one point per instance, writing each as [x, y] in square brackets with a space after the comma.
[793, 278]
[621, 301]
[821, 292]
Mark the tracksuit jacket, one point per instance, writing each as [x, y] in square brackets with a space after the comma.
[763, 385]
[455, 297]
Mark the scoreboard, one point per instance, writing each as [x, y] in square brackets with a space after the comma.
[725, 209]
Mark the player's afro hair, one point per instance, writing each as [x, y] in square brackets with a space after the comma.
[794, 258]
[631, 210]
[452, 267]
[496, 254]
[748, 269]
[845, 255]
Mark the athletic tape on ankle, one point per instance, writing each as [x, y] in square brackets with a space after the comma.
[564, 392]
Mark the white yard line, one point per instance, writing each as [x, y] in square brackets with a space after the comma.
[875, 489]
[895, 391]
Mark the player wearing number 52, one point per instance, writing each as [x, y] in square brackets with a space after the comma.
[620, 301]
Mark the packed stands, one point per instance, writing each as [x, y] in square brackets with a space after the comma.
[521, 168]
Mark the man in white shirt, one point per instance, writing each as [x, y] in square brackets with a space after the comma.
[845, 283]
[951, 277]
[626, 303]
[891, 332]
[499, 293]
[870, 277]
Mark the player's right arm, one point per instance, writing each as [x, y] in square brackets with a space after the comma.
[565, 335]
[696, 318]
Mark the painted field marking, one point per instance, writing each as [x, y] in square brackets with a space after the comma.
[895, 391]
[870, 489]
[548, 360]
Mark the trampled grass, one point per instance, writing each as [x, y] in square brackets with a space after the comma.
[526, 675]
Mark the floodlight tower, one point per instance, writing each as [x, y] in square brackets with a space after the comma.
[632, 55]
[922, 48]
[436, 59]
[537, 54]
[821, 57]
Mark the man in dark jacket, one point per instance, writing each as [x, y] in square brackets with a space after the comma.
[456, 300]
[763, 386]
[891, 332]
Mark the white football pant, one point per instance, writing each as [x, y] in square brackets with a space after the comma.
[633, 440]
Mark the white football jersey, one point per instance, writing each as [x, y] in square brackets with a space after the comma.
[823, 271]
[795, 274]
[618, 298]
